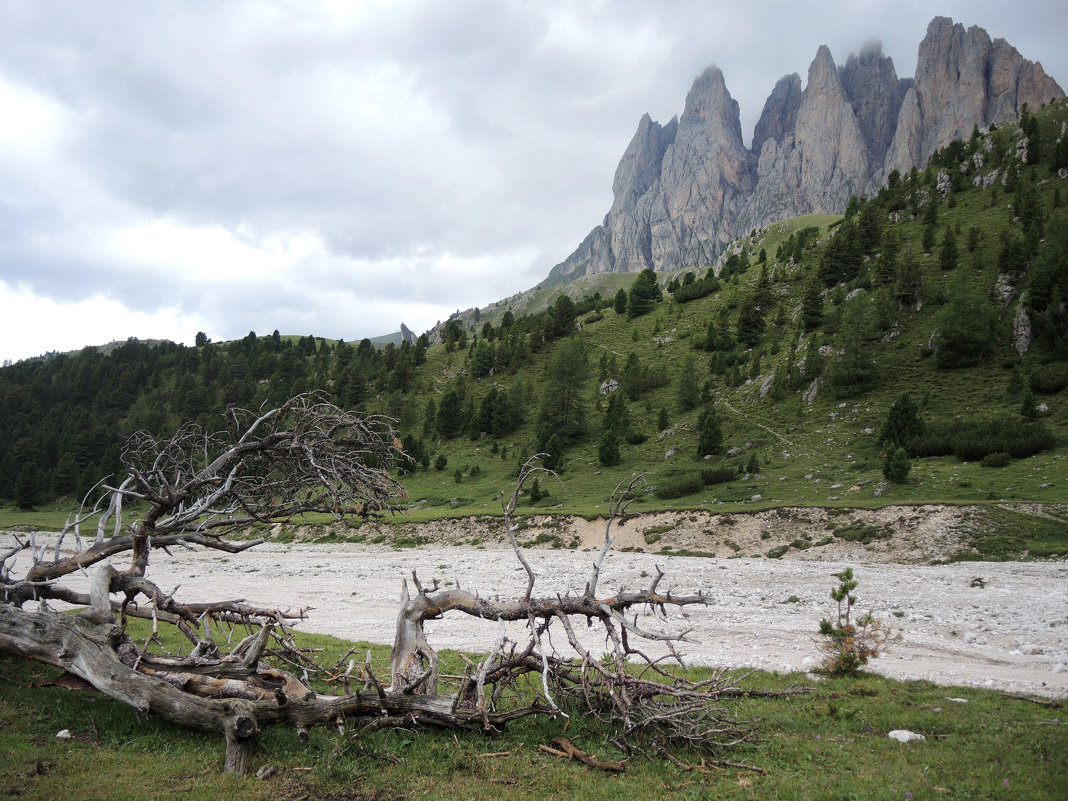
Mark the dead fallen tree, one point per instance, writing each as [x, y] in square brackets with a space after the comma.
[195, 488]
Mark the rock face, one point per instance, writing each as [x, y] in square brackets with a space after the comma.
[684, 190]
[676, 191]
[963, 79]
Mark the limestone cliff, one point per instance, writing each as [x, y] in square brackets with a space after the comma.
[683, 190]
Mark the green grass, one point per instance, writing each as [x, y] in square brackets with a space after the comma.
[829, 744]
[999, 533]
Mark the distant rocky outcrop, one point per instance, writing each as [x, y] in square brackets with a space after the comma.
[683, 190]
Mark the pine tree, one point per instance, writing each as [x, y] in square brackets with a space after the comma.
[709, 433]
[750, 323]
[948, 255]
[617, 415]
[812, 306]
[608, 451]
[644, 294]
[563, 402]
[689, 393]
[28, 486]
[965, 327]
[903, 423]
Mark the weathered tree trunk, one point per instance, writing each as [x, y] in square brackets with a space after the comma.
[238, 707]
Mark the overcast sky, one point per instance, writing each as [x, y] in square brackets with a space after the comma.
[336, 168]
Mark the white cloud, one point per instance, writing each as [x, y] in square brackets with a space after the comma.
[28, 320]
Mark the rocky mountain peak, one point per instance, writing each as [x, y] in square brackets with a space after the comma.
[709, 103]
[682, 191]
[875, 93]
[822, 74]
[780, 112]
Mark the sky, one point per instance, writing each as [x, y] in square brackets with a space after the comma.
[337, 168]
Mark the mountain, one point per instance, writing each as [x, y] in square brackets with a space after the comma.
[684, 190]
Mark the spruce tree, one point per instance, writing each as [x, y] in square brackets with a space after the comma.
[812, 306]
[688, 393]
[709, 433]
[965, 327]
[608, 451]
[949, 253]
[644, 294]
[903, 423]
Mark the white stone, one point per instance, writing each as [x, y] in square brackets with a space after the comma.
[64, 734]
[906, 736]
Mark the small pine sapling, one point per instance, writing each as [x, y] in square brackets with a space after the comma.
[847, 643]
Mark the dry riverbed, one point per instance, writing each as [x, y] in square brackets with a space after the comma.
[1008, 630]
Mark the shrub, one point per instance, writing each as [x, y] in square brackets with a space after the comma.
[972, 440]
[695, 290]
[897, 465]
[862, 533]
[677, 486]
[440, 462]
[1049, 378]
[595, 317]
[777, 551]
[718, 475]
[998, 459]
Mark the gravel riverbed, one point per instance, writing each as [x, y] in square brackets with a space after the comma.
[1008, 631]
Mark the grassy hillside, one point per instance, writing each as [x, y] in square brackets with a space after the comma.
[788, 449]
[810, 332]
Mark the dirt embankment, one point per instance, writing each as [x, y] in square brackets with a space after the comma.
[903, 534]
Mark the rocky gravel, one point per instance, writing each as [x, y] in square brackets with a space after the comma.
[1000, 625]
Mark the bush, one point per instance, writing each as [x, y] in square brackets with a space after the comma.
[862, 533]
[998, 459]
[1049, 378]
[718, 475]
[973, 440]
[595, 317]
[897, 465]
[440, 462]
[677, 486]
[698, 289]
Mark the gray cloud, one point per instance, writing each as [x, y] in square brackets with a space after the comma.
[422, 156]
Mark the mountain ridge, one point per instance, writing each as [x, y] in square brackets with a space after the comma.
[684, 190]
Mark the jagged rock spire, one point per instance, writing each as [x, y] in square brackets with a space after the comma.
[684, 190]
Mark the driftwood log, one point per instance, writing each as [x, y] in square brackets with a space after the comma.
[195, 488]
